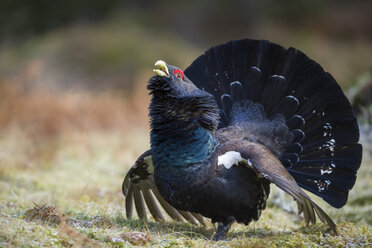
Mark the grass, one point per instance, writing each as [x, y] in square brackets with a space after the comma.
[62, 162]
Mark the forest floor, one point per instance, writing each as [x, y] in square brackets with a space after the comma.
[61, 186]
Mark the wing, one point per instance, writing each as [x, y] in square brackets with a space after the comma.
[270, 167]
[139, 186]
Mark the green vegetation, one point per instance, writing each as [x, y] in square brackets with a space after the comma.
[80, 174]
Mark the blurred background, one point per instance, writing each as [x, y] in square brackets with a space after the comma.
[84, 64]
[73, 75]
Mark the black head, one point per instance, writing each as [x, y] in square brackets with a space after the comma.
[171, 81]
[175, 97]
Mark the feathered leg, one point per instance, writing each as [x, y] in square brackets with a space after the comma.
[222, 229]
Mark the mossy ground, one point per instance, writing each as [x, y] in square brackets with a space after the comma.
[80, 174]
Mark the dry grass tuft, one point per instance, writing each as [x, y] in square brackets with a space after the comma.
[43, 213]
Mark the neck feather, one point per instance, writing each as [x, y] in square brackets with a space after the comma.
[182, 130]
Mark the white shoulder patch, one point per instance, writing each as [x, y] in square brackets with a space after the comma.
[229, 159]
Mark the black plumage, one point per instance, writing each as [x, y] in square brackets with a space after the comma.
[245, 114]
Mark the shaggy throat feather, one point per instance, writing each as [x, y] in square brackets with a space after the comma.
[182, 147]
[179, 137]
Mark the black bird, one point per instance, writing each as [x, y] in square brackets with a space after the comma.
[243, 115]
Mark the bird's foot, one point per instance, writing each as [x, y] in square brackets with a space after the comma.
[222, 229]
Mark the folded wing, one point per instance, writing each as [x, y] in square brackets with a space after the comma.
[139, 187]
[269, 166]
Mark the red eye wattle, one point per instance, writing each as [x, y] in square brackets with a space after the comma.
[178, 73]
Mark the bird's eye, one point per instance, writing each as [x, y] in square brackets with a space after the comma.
[178, 73]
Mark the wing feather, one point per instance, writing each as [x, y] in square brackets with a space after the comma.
[139, 187]
[189, 217]
[139, 203]
[200, 218]
[129, 201]
[151, 204]
[270, 167]
[171, 211]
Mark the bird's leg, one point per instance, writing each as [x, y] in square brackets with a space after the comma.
[222, 229]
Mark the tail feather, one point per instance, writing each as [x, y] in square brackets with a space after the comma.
[295, 122]
[236, 91]
[329, 136]
[291, 157]
[265, 57]
[224, 119]
[321, 128]
[287, 106]
[335, 197]
[252, 85]
[227, 103]
[273, 92]
[298, 135]
[288, 63]
[295, 148]
[337, 180]
[341, 157]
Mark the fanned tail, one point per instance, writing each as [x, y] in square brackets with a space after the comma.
[320, 135]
